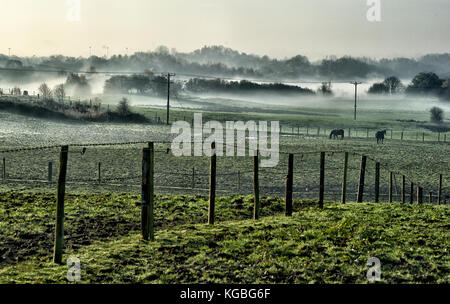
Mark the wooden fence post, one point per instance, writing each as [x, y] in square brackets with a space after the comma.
[257, 206]
[289, 185]
[401, 136]
[419, 195]
[423, 137]
[344, 179]
[391, 178]
[411, 198]
[193, 178]
[4, 169]
[50, 172]
[145, 200]
[322, 179]
[349, 132]
[147, 195]
[403, 189]
[377, 182]
[361, 179]
[430, 197]
[212, 185]
[440, 189]
[59, 228]
[99, 173]
[391, 133]
[318, 131]
[367, 133]
[239, 180]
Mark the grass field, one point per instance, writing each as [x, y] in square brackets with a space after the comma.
[330, 245]
[314, 246]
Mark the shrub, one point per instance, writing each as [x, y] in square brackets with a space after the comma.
[437, 114]
[124, 107]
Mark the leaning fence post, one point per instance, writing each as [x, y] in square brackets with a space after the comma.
[344, 178]
[50, 172]
[419, 195]
[61, 188]
[391, 175]
[289, 185]
[377, 182]
[440, 189]
[147, 207]
[403, 189]
[322, 179]
[257, 206]
[212, 185]
[361, 179]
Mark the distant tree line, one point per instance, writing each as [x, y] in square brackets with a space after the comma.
[197, 85]
[224, 62]
[424, 83]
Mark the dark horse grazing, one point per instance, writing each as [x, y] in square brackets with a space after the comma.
[380, 136]
[335, 133]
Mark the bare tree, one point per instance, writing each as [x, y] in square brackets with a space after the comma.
[124, 107]
[45, 91]
[59, 92]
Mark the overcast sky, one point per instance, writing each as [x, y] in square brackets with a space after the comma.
[277, 28]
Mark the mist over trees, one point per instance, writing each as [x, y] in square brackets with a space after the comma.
[391, 85]
[197, 85]
[220, 61]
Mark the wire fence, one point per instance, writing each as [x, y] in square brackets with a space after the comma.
[118, 167]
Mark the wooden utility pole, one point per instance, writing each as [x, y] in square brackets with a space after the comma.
[356, 94]
[168, 96]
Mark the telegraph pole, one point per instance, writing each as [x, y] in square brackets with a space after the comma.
[356, 94]
[168, 96]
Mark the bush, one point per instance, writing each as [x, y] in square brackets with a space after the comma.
[124, 107]
[437, 115]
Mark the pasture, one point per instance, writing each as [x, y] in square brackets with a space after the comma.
[103, 216]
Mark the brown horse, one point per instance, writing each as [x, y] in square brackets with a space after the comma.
[336, 133]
